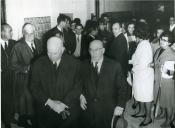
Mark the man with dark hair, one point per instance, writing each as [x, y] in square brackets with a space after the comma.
[61, 24]
[69, 37]
[118, 49]
[79, 40]
[55, 85]
[6, 75]
[91, 33]
[63, 27]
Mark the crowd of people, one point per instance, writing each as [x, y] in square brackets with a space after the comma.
[82, 76]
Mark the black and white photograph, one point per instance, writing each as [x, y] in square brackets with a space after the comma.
[87, 64]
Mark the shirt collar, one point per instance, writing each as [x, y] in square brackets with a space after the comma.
[60, 29]
[57, 62]
[172, 27]
[99, 62]
[2, 42]
[118, 34]
[92, 36]
[30, 44]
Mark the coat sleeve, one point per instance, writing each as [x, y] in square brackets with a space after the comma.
[36, 86]
[73, 96]
[16, 58]
[121, 87]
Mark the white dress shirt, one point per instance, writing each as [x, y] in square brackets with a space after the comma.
[78, 46]
[57, 62]
[30, 45]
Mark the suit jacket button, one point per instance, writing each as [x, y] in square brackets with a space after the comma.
[95, 100]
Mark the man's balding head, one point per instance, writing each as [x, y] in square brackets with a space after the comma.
[6, 32]
[116, 29]
[96, 50]
[55, 48]
[28, 31]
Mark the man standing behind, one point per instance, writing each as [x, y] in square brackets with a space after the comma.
[78, 34]
[118, 49]
[103, 88]
[55, 85]
[61, 24]
[6, 75]
[26, 50]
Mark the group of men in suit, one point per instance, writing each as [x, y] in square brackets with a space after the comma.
[58, 85]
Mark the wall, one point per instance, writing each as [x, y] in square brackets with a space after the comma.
[80, 8]
[17, 10]
[116, 5]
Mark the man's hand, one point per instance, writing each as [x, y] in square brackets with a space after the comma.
[57, 106]
[118, 111]
[83, 102]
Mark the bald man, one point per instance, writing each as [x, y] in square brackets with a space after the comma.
[104, 88]
[24, 53]
[6, 75]
[55, 85]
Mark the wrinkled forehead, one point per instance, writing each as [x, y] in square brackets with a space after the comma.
[29, 28]
[54, 43]
[96, 44]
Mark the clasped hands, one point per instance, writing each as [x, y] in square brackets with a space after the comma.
[83, 104]
[58, 107]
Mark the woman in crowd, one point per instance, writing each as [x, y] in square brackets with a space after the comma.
[130, 37]
[164, 69]
[143, 75]
[155, 43]
[132, 45]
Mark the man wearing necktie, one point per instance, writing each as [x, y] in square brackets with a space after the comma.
[6, 75]
[78, 31]
[55, 85]
[24, 53]
[103, 88]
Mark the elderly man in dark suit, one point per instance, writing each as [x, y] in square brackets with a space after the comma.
[6, 75]
[103, 91]
[55, 86]
[24, 53]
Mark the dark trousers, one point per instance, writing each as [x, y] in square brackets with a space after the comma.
[50, 119]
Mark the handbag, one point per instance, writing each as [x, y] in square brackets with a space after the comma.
[119, 122]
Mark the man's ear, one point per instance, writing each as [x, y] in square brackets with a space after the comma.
[63, 48]
[103, 50]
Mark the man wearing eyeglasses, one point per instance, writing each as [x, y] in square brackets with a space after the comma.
[103, 88]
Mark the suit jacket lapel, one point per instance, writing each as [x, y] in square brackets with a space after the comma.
[28, 50]
[37, 47]
[164, 54]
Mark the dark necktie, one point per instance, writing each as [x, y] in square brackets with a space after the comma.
[6, 46]
[32, 46]
[33, 49]
[55, 66]
[96, 68]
